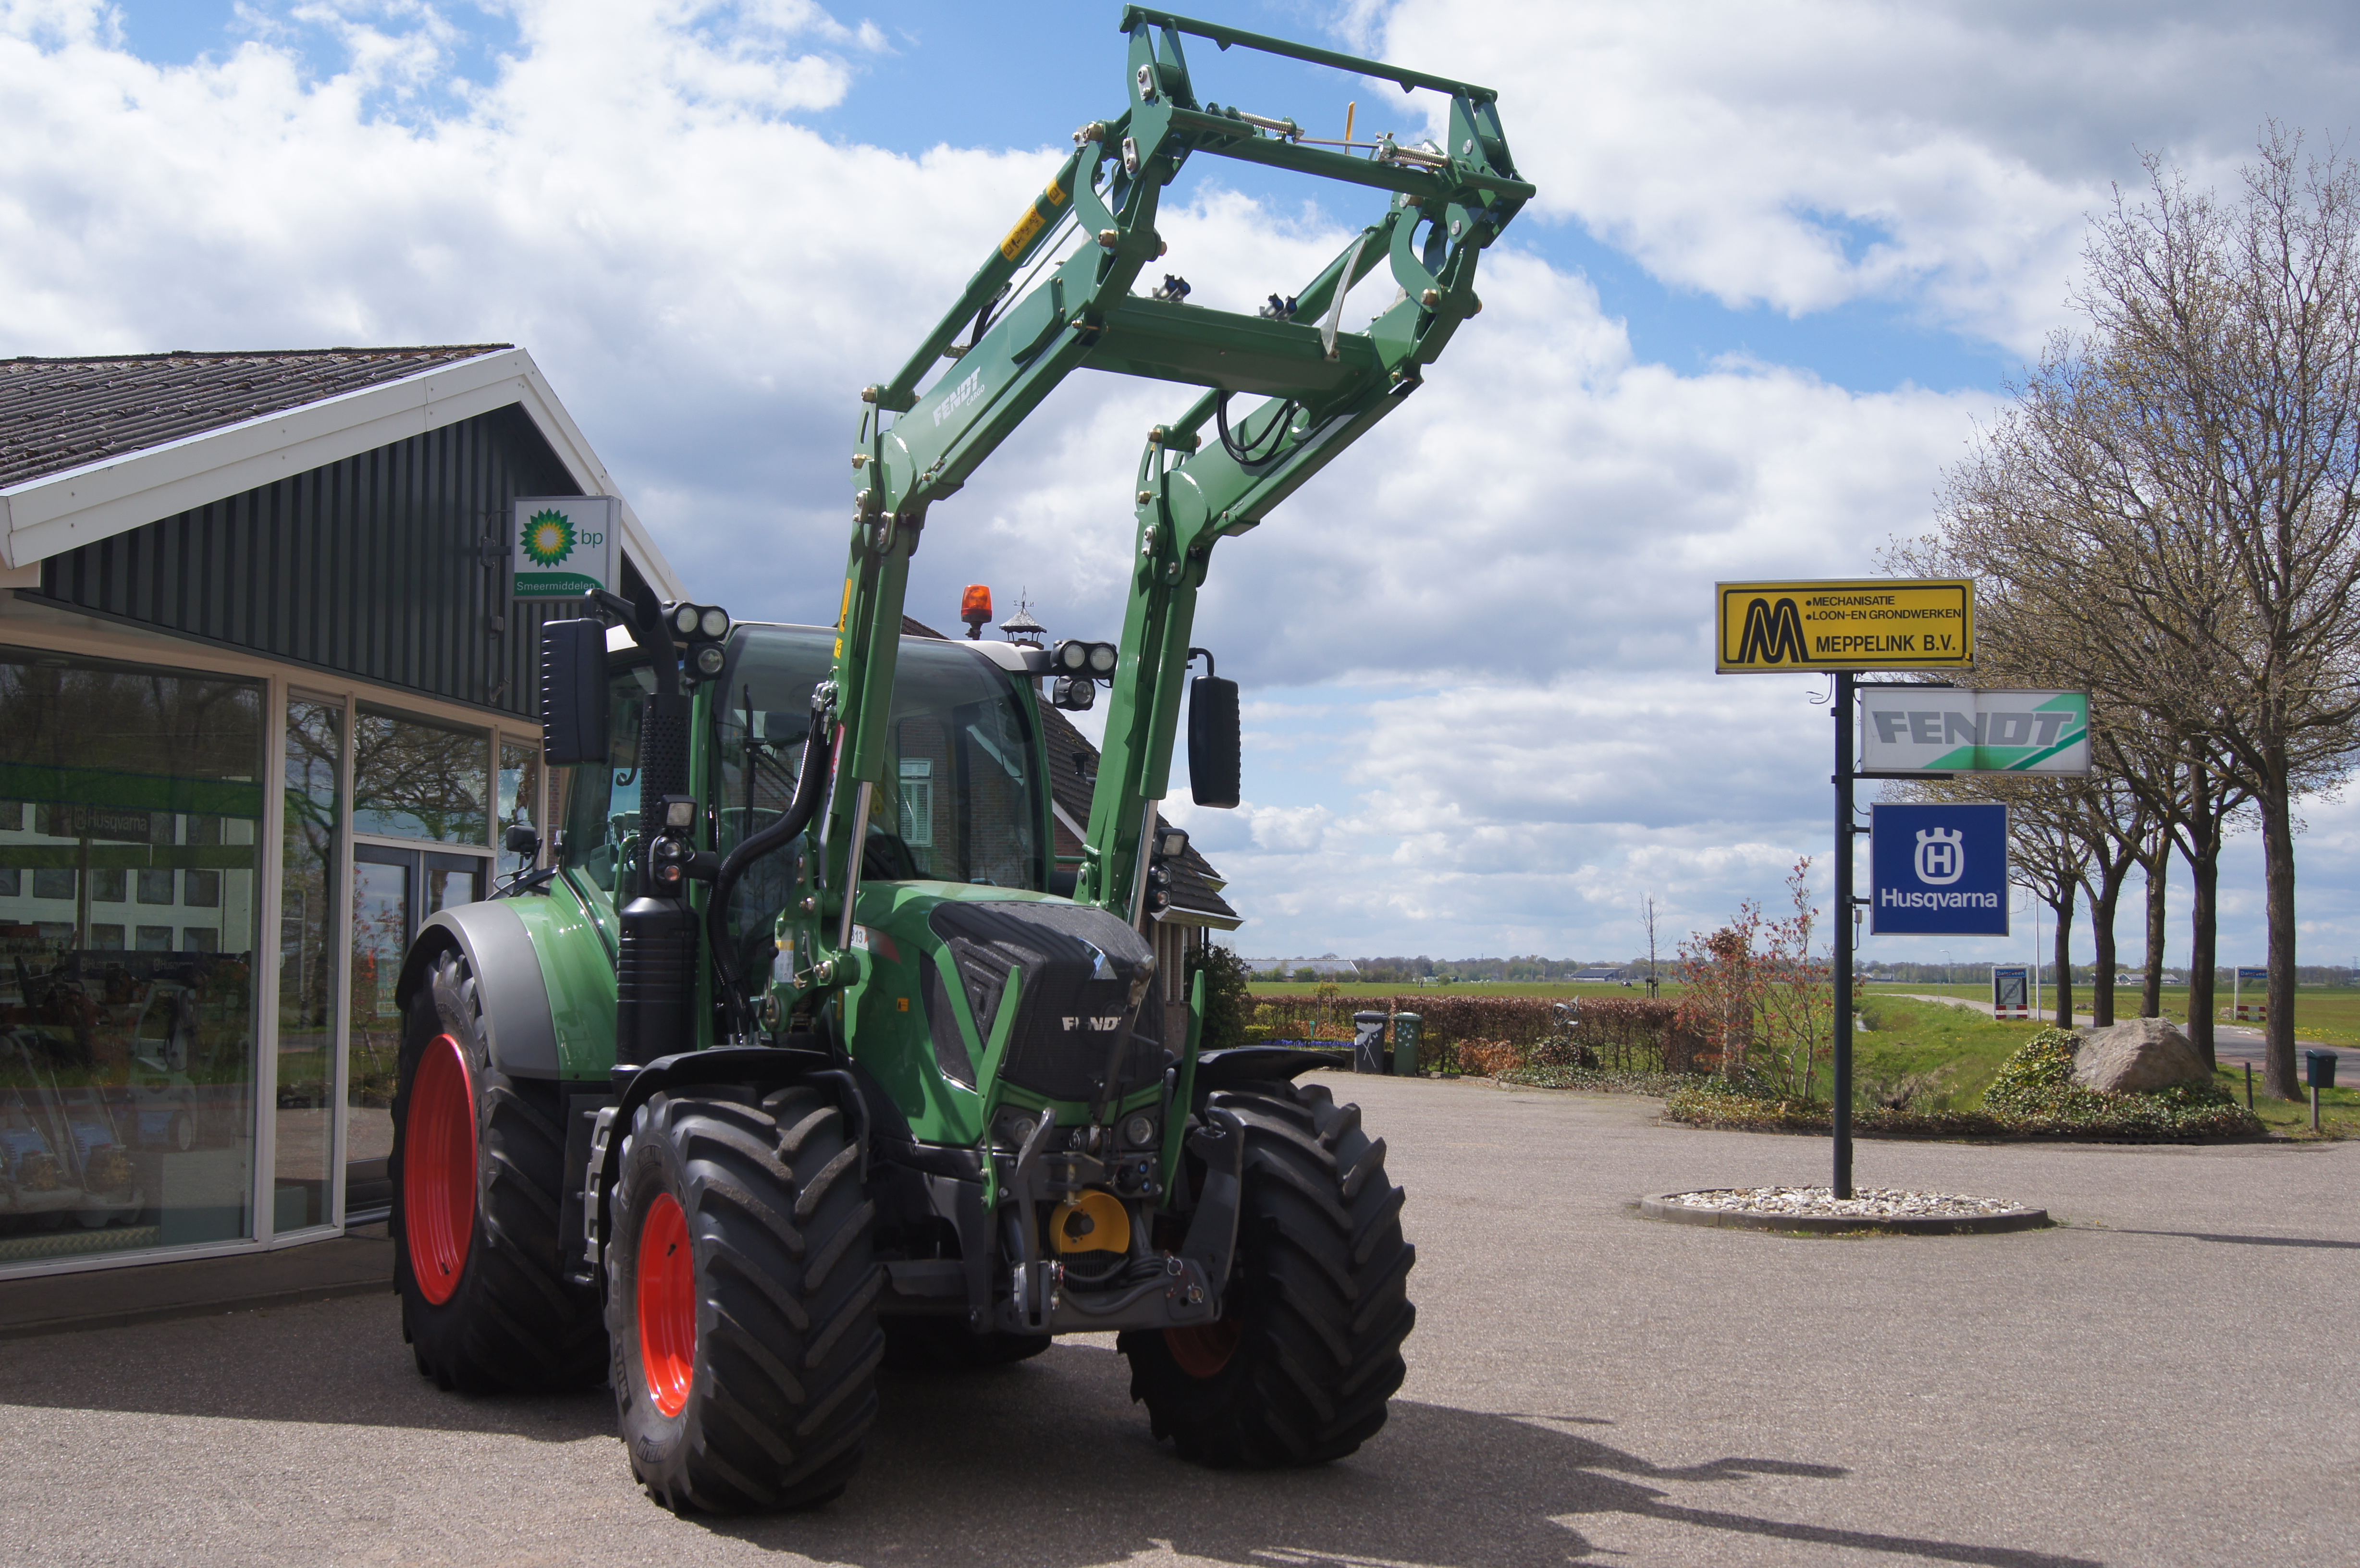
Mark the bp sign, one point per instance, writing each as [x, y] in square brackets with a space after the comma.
[563, 545]
[1939, 870]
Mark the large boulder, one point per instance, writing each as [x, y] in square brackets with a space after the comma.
[2143, 1055]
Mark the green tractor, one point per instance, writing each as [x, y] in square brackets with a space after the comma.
[801, 1051]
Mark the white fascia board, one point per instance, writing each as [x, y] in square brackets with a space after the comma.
[60, 512]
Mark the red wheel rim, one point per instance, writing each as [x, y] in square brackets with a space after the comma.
[1202, 1351]
[438, 1169]
[667, 1287]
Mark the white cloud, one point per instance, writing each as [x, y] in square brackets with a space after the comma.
[1802, 153]
[1476, 645]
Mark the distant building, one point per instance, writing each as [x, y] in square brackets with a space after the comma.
[1601, 974]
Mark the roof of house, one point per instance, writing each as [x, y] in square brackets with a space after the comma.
[95, 446]
[1073, 766]
[57, 414]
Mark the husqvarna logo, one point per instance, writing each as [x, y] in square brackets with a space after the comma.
[1942, 857]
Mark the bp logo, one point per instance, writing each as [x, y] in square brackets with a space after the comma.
[548, 538]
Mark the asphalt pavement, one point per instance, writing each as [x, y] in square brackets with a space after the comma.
[2166, 1379]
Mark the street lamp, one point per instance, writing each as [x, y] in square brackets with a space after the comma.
[1948, 977]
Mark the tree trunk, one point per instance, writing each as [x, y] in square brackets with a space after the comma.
[2159, 886]
[2103, 900]
[2277, 881]
[2204, 851]
[2064, 989]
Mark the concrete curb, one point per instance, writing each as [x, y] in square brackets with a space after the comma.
[79, 1321]
[350, 1265]
[1660, 1207]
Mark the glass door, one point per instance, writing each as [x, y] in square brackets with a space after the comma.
[394, 893]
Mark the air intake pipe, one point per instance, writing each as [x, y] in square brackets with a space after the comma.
[811, 786]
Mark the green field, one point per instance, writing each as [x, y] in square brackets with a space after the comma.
[1458, 988]
[2329, 1014]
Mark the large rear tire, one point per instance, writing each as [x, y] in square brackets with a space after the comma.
[1307, 1350]
[478, 1167]
[742, 1301]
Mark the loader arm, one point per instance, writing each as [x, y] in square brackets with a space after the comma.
[1321, 389]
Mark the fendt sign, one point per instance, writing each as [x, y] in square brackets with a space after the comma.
[1936, 729]
[1938, 870]
[1870, 624]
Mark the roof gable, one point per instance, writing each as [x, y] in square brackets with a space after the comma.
[61, 414]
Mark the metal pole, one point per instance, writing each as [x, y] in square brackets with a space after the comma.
[1841, 1090]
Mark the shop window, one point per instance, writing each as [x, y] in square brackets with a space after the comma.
[201, 939]
[10, 883]
[155, 887]
[127, 1071]
[200, 889]
[413, 779]
[310, 772]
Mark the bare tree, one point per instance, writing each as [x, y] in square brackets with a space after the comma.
[2233, 330]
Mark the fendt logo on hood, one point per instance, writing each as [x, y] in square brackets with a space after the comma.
[1112, 1021]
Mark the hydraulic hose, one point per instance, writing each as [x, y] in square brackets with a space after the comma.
[811, 786]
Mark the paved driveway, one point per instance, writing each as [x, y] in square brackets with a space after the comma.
[2169, 1378]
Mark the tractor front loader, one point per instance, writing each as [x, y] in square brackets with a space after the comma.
[802, 1049]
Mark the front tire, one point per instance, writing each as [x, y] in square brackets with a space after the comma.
[477, 1167]
[742, 1301]
[1307, 1350]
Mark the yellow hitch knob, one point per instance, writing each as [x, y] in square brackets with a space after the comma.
[1095, 1222]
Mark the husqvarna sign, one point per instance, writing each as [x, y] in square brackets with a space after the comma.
[1939, 870]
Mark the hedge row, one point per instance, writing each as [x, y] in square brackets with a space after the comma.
[1491, 1034]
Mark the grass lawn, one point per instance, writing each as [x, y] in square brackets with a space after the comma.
[2329, 1014]
[1948, 1056]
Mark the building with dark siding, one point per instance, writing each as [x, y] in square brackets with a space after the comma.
[266, 704]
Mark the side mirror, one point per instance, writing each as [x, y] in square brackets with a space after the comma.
[1213, 744]
[521, 839]
[573, 692]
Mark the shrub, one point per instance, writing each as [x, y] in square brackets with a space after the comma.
[1227, 1005]
[2032, 1096]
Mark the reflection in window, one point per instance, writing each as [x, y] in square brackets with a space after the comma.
[519, 784]
[310, 772]
[413, 779]
[126, 1069]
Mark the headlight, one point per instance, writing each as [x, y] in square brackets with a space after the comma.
[1104, 656]
[683, 620]
[709, 660]
[714, 623]
[1139, 1132]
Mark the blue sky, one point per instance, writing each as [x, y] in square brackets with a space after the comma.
[1786, 258]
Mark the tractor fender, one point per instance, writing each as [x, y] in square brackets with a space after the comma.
[492, 937]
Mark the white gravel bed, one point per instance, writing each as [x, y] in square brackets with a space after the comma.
[1868, 1203]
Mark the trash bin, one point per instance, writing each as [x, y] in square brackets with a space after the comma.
[1369, 1043]
[2319, 1068]
[1406, 1029]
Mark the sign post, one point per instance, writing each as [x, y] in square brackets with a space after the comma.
[2259, 977]
[1843, 627]
[2010, 992]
